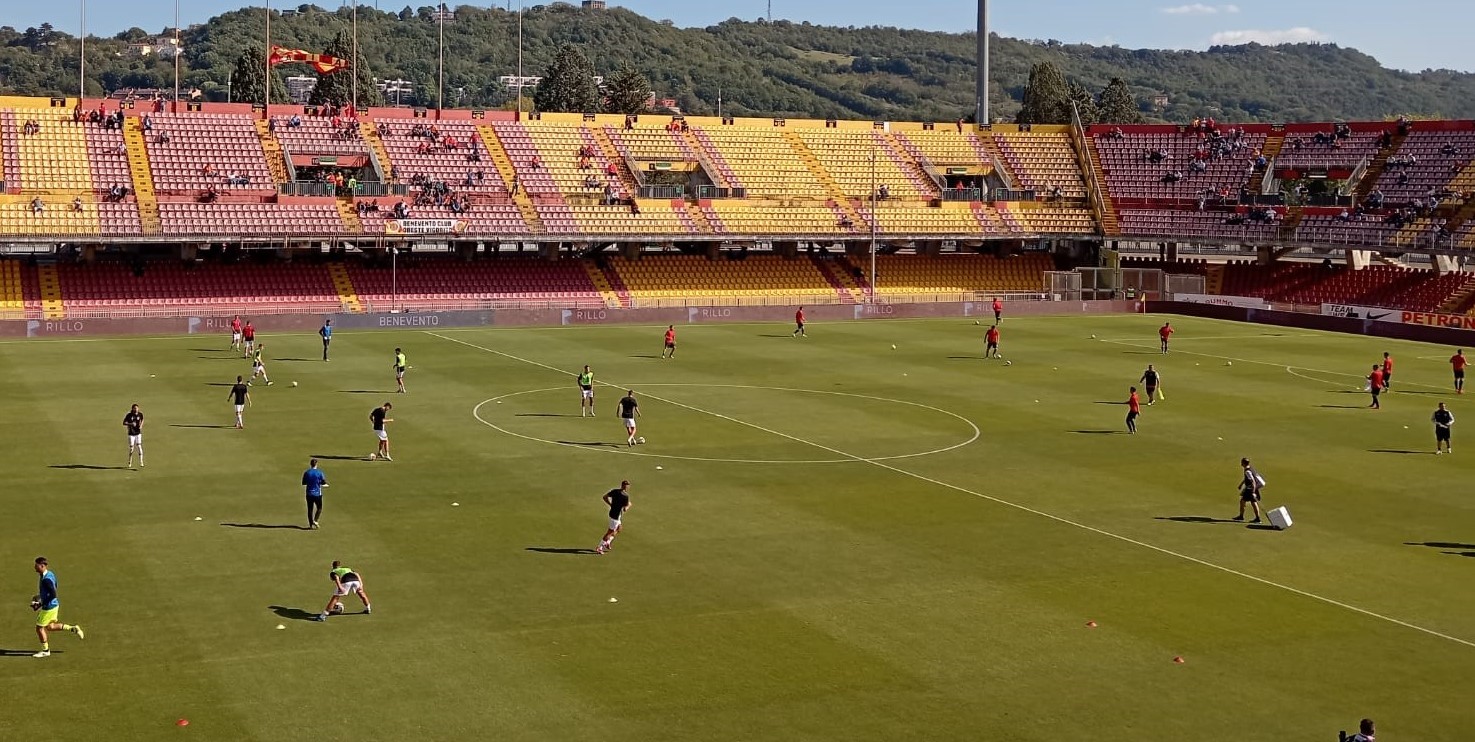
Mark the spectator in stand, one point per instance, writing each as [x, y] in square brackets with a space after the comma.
[612, 169]
[1117, 133]
[148, 122]
[884, 192]
[401, 211]
[77, 204]
[1375, 199]
[162, 138]
[1345, 216]
[1198, 166]
[590, 182]
[516, 184]
[294, 122]
[536, 162]
[37, 206]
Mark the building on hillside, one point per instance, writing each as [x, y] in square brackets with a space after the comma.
[300, 87]
[594, 5]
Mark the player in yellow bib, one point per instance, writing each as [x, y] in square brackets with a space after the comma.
[586, 393]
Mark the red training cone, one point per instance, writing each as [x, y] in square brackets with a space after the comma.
[182, 723]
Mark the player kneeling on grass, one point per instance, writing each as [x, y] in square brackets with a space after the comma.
[1250, 484]
[618, 501]
[345, 581]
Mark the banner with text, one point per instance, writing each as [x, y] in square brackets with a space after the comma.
[424, 226]
[1434, 319]
[1352, 311]
[1243, 302]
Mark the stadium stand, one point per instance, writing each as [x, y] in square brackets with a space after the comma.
[487, 216]
[953, 219]
[47, 152]
[112, 286]
[1047, 219]
[253, 217]
[437, 281]
[960, 274]
[1043, 160]
[941, 148]
[1427, 163]
[1139, 164]
[846, 155]
[1376, 285]
[203, 150]
[1303, 149]
[450, 152]
[661, 276]
[1215, 224]
[763, 161]
[315, 135]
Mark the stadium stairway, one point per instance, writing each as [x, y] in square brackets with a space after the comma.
[718, 171]
[1467, 212]
[272, 146]
[604, 280]
[698, 219]
[1292, 220]
[1274, 142]
[350, 215]
[377, 150]
[909, 166]
[143, 177]
[52, 304]
[347, 296]
[1375, 169]
[838, 273]
[1461, 301]
[508, 172]
[1110, 226]
[988, 151]
[811, 162]
[612, 154]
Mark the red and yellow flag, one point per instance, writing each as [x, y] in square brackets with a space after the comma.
[320, 62]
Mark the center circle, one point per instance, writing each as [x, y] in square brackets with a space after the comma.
[839, 458]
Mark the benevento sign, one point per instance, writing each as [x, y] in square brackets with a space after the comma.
[424, 226]
[1434, 319]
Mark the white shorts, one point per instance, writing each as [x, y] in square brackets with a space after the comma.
[588, 393]
[235, 337]
[629, 423]
[259, 368]
[135, 440]
[240, 408]
[349, 588]
[614, 524]
[383, 434]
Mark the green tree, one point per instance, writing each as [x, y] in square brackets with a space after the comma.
[568, 85]
[248, 81]
[1118, 104]
[1046, 96]
[336, 87]
[626, 91]
[1084, 103]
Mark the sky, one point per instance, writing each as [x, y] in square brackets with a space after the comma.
[1387, 31]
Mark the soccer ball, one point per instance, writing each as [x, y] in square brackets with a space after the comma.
[373, 456]
[640, 440]
[1008, 363]
[337, 609]
[294, 383]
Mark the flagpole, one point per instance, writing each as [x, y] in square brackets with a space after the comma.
[353, 65]
[519, 60]
[82, 56]
[178, 48]
[266, 90]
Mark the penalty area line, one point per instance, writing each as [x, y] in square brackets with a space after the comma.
[1017, 506]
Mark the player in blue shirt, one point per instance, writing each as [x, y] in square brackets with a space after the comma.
[326, 332]
[48, 609]
[314, 481]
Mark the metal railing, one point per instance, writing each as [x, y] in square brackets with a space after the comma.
[882, 296]
[962, 194]
[1086, 157]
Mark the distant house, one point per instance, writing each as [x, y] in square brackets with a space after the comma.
[594, 5]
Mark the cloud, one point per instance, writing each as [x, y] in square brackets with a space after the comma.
[1297, 35]
[1201, 9]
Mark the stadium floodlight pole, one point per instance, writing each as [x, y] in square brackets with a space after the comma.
[873, 226]
[440, 96]
[980, 112]
[519, 60]
[353, 67]
[178, 49]
[266, 86]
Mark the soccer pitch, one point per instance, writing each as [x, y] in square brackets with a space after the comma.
[829, 538]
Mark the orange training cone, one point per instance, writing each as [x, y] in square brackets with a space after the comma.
[1179, 659]
[1090, 624]
[182, 723]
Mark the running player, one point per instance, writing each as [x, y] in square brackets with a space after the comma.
[235, 335]
[133, 422]
[48, 609]
[618, 501]
[799, 323]
[258, 365]
[1458, 362]
[314, 480]
[998, 310]
[991, 340]
[241, 393]
[670, 347]
[379, 416]
[326, 333]
[1387, 372]
[248, 336]
[399, 370]
[1164, 333]
[1150, 380]
[629, 410]
[586, 393]
[1250, 483]
[1443, 420]
[1134, 408]
[1375, 385]
[345, 581]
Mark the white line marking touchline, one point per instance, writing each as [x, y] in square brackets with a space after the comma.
[1007, 503]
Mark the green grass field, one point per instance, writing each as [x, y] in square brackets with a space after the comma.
[829, 538]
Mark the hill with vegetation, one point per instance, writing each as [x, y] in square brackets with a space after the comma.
[757, 68]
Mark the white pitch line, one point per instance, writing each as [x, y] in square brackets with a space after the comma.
[1017, 506]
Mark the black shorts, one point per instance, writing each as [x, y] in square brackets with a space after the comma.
[1387, 377]
[1132, 415]
[1460, 374]
[1441, 434]
[670, 345]
[1151, 390]
[1376, 391]
[993, 346]
[1249, 496]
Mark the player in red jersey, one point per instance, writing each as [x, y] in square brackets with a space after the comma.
[1375, 385]
[669, 351]
[1164, 333]
[998, 310]
[248, 334]
[235, 334]
[991, 340]
[1457, 362]
[799, 323]
[1134, 408]
[1387, 372]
